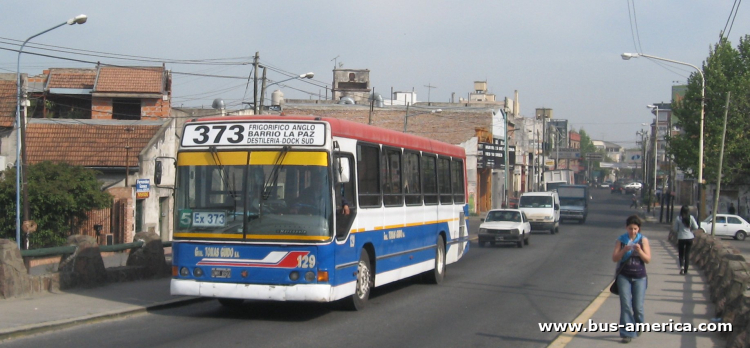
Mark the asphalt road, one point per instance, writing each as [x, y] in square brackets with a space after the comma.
[493, 297]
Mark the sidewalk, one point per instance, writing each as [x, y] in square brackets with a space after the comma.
[26, 316]
[681, 298]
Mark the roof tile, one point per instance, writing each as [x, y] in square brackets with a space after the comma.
[87, 145]
[8, 94]
[130, 79]
[71, 78]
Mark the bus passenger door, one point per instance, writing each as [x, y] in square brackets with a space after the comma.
[344, 193]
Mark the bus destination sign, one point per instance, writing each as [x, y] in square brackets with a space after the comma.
[254, 134]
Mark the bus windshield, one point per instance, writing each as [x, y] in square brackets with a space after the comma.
[253, 195]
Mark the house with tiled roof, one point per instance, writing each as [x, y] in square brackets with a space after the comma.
[102, 93]
[125, 154]
[115, 120]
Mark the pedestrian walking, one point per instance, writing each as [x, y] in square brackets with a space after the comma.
[632, 252]
[684, 227]
[634, 201]
[731, 209]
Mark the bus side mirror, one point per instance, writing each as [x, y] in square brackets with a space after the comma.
[341, 171]
[157, 172]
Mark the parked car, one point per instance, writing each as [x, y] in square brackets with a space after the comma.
[727, 225]
[632, 187]
[505, 226]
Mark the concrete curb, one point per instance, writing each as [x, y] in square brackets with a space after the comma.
[33, 329]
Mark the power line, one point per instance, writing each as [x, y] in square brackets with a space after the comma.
[735, 16]
[214, 61]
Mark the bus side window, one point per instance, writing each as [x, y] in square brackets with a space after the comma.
[457, 180]
[429, 179]
[368, 181]
[444, 180]
[412, 184]
[391, 177]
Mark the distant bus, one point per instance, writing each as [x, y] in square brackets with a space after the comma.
[261, 203]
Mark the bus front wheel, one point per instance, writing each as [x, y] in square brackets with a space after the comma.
[364, 282]
[437, 275]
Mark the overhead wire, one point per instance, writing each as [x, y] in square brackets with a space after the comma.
[735, 16]
[137, 67]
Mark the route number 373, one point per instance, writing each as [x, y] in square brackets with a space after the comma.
[306, 261]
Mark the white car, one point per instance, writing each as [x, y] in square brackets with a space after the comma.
[633, 186]
[727, 225]
[505, 226]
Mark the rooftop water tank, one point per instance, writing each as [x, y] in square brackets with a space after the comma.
[277, 97]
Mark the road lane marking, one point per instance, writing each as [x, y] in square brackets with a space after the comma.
[564, 338]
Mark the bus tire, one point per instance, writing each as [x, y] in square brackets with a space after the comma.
[230, 302]
[437, 275]
[364, 282]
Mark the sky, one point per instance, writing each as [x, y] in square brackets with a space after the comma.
[563, 55]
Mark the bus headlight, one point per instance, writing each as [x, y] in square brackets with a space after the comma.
[184, 271]
[294, 275]
[310, 276]
[548, 218]
[482, 230]
[197, 272]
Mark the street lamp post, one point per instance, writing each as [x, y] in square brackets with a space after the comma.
[656, 153]
[642, 133]
[263, 89]
[406, 116]
[701, 204]
[80, 19]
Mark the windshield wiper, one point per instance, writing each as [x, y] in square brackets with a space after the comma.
[225, 182]
[273, 177]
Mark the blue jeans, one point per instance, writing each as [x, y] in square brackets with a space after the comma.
[632, 295]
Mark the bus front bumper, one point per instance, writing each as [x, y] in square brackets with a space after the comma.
[299, 292]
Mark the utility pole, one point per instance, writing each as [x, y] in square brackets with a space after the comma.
[721, 162]
[262, 90]
[429, 87]
[255, 84]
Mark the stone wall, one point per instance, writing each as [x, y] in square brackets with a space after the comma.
[728, 275]
[82, 268]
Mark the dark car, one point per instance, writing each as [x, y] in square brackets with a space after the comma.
[616, 187]
[513, 202]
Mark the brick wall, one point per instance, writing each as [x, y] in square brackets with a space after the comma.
[101, 108]
[154, 109]
[450, 126]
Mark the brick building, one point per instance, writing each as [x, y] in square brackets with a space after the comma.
[454, 124]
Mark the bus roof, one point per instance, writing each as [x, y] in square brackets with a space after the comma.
[359, 131]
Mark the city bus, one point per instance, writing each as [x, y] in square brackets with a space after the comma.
[305, 208]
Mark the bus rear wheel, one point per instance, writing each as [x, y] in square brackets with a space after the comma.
[364, 283]
[437, 275]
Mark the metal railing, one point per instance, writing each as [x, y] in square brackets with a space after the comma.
[63, 250]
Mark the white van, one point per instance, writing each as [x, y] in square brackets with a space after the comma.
[542, 209]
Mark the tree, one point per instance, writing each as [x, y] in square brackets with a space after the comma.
[59, 197]
[726, 69]
[587, 146]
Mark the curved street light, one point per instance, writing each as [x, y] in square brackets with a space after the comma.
[701, 203]
[263, 91]
[80, 19]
